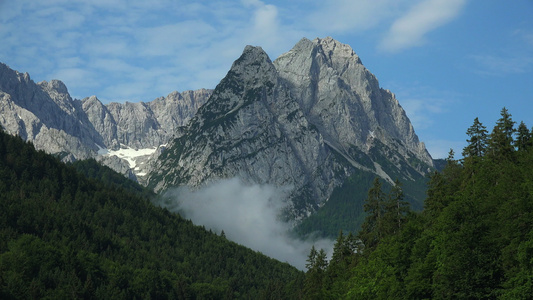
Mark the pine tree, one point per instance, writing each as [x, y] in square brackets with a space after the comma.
[477, 144]
[501, 138]
[371, 230]
[523, 139]
[314, 278]
[339, 251]
[311, 258]
[343, 250]
[441, 185]
[395, 209]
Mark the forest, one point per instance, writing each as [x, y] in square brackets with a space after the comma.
[82, 231]
[473, 239]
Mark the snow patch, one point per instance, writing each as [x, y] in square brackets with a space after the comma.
[128, 154]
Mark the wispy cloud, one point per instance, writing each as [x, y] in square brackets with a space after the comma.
[515, 57]
[342, 15]
[193, 43]
[500, 65]
[423, 104]
[248, 214]
[421, 112]
[409, 30]
[426, 106]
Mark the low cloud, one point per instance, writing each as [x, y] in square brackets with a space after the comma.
[249, 214]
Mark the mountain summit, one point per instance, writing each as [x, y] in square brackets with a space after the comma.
[311, 120]
[314, 121]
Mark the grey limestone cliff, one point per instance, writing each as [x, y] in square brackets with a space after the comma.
[45, 114]
[342, 98]
[308, 120]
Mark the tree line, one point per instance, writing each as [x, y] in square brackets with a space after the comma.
[83, 231]
[473, 239]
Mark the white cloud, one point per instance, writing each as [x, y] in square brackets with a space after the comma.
[348, 15]
[191, 43]
[409, 30]
[167, 40]
[514, 57]
[248, 214]
[488, 64]
[265, 23]
[421, 112]
[75, 77]
[104, 46]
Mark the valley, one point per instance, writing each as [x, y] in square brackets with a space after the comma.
[233, 192]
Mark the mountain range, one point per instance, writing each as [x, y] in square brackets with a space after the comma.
[314, 121]
[310, 120]
[120, 135]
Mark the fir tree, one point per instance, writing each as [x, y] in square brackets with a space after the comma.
[395, 209]
[442, 184]
[311, 258]
[523, 139]
[314, 278]
[501, 138]
[477, 143]
[371, 230]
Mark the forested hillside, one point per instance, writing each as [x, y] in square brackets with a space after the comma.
[64, 236]
[473, 240]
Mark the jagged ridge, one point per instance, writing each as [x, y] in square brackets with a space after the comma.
[45, 114]
[310, 119]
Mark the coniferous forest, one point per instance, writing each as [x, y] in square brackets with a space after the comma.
[83, 231]
[67, 235]
[473, 239]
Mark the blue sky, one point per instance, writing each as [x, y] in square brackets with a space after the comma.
[447, 61]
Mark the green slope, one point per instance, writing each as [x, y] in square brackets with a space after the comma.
[63, 235]
[473, 240]
[344, 209]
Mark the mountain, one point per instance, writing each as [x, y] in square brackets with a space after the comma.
[65, 236]
[473, 240]
[121, 135]
[314, 120]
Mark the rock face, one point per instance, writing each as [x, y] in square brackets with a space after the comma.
[310, 120]
[344, 100]
[314, 120]
[45, 114]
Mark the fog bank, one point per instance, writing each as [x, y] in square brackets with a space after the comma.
[248, 214]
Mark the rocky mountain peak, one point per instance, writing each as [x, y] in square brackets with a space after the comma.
[45, 114]
[253, 67]
[334, 48]
[310, 119]
[343, 99]
[55, 85]
[9, 78]
[251, 55]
